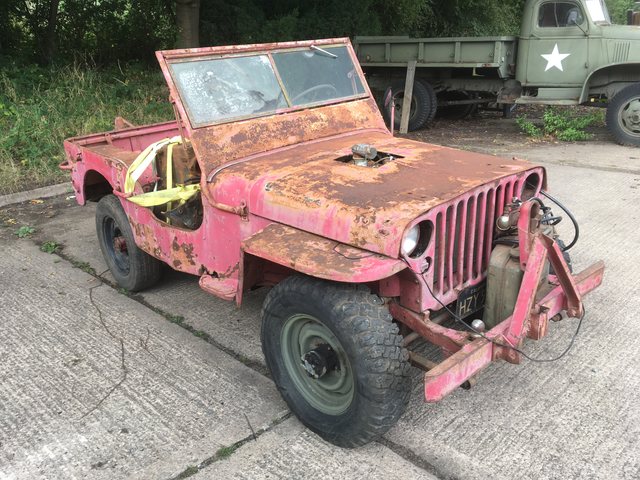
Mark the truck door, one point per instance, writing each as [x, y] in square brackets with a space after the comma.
[558, 48]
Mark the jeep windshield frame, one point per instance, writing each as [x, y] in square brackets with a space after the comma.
[218, 85]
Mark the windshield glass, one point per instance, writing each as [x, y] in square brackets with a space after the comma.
[598, 11]
[227, 88]
[311, 76]
[218, 90]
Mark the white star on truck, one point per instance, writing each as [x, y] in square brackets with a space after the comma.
[554, 59]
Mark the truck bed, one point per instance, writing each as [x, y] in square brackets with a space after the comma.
[453, 52]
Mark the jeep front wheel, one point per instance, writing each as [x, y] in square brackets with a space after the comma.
[336, 357]
[623, 116]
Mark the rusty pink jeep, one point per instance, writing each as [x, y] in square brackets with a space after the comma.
[279, 171]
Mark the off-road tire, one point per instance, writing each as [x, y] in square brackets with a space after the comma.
[143, 270]
[424, 104]
[625, 134]
[363, 326]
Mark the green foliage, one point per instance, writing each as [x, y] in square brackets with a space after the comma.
[563, 125]
[41, 107]
[226, 452]
[528, 127]
[104, 30]
[618, 10]
[50, 247]
[110, 30]
[471, 18]
[84, 266]
[25, 231]
[250, 21]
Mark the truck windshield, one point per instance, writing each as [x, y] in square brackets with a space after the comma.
[598, 11]
[218, 90]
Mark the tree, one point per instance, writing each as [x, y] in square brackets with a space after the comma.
[49, 46]
[188, 23]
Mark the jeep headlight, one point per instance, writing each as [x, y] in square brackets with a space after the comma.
[410, 241]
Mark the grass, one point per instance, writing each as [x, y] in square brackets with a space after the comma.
[25, 231]
[50, 247]
[84, 266]
[564, 125]
[40, 107]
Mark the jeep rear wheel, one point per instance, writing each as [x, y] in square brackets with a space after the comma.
[131, 267]
[623, 116]
[336, 357]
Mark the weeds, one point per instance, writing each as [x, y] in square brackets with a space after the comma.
[177, 319]
[84, 266]
[226, 452]
[528, 127]
[25, 231]
[50, 247]
[563, 125]
[41, 107]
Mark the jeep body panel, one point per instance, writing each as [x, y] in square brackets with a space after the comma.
[310, 188]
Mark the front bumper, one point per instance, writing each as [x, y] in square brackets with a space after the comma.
[467, 353]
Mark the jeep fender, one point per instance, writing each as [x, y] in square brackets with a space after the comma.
[319, 257]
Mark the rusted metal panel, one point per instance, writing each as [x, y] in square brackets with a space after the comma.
[220, 144]
[318, 256]
[309, 188]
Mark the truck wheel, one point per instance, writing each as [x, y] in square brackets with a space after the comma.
[423, 104]
[336, 357]
[623, 116]
[132, 268]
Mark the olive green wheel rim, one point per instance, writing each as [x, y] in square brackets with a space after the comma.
[332, 392]
[629, 117]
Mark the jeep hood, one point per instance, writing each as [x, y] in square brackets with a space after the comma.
[309, 187]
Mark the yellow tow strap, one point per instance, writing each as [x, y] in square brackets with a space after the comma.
[179, 193]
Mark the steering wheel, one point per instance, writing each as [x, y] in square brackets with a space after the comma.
[315, 88]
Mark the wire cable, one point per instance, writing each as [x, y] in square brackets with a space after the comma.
[571, 217]
[528, 357]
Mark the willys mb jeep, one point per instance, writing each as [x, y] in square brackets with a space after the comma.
[279, 171]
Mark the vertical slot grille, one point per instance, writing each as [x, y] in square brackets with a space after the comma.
[464, 236]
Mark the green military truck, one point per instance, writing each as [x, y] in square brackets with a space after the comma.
[568, 53]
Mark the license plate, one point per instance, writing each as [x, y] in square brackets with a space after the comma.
[471, 300]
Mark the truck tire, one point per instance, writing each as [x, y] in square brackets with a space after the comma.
[336, 357]
[131, 267]
[423, 104]
[623, 116]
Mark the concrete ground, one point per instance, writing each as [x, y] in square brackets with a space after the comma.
[172, 383]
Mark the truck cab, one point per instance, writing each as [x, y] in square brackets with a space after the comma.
[569, 52]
